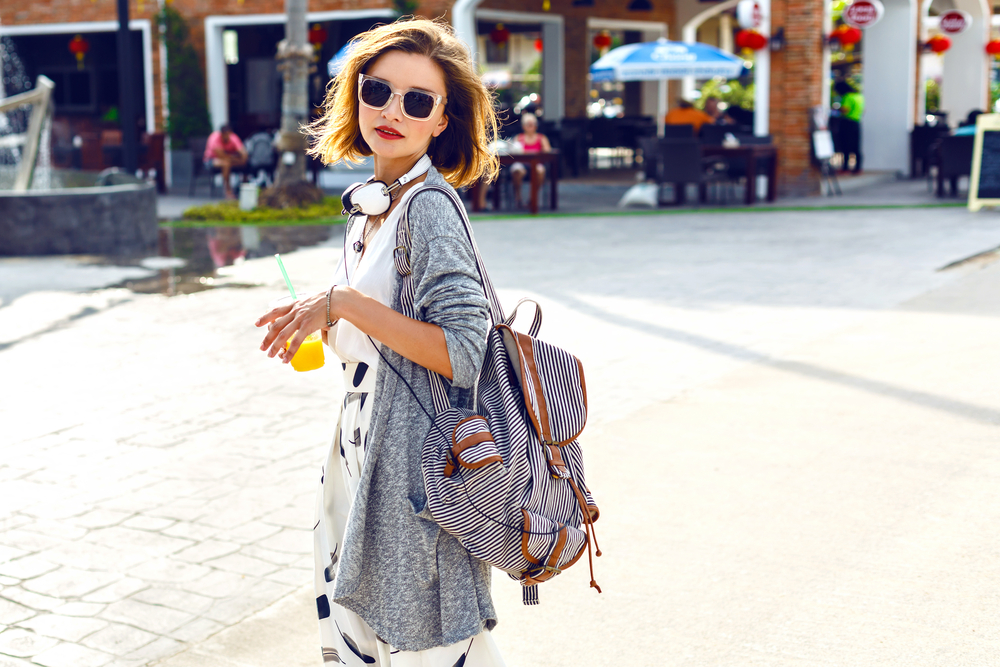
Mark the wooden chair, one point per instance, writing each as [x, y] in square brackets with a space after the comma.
[954, 161]
[678, 131]
[261, 156]
[679, 162]
[922, 144]
[151, 157]
[714, 135]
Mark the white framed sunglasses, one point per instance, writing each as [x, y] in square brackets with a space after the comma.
[415, 104]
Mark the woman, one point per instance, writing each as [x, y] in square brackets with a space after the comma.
[531, 142]
[392, 587]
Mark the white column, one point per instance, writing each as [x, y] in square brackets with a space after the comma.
[553, 71]
[216, 80]
[463, 20]
[689, 35]
[889, 78]
[726, 32]
[965, 75]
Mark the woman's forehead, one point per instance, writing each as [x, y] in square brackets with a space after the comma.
[408, 70]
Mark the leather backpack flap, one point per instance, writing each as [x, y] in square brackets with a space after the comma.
[553, 386]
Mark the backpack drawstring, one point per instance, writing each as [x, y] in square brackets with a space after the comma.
[588, 523]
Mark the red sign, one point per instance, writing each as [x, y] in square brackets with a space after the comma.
[955, 21]
[863, 13]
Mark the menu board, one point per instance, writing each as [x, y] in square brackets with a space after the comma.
[988, 186]
[984, 182]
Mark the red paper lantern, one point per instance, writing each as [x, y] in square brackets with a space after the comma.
[602, 40]
[750, 40]
[317, 35]
[539, 45]
[846, 35]
[500, 34]
[993, 47]
[78, 46]
[938, 43]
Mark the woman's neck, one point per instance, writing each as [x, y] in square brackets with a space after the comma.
[389, 171]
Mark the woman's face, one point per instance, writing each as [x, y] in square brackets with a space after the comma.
[389, 133]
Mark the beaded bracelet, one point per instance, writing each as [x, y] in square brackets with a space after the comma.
[329, 322]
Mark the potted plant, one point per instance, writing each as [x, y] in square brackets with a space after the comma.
[187, 103]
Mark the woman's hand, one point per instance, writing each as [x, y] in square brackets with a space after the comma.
[293, 322]
[420, 342]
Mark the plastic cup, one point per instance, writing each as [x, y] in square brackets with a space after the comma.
[309, 356]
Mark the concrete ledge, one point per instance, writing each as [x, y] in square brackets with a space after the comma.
[114, 220]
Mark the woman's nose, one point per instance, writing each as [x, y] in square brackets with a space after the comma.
[395, 108]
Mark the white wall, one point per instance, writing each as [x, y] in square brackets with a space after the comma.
[889, 78]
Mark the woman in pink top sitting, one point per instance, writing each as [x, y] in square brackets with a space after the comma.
[531, 142]
[224, 150]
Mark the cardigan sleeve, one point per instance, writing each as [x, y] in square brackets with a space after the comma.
[447, 288]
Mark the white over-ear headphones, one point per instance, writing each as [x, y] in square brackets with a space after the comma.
[375, 197]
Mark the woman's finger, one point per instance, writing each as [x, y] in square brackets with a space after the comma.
[280, 338]
[293, 346]
[276, 328]
[273, 314]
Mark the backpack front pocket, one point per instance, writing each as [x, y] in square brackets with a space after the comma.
[548, 547]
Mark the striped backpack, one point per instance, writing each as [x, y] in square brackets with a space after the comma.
[506, 479]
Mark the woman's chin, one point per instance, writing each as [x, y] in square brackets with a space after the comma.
[391, 150]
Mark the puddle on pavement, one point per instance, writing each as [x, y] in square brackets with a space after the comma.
[189, 258]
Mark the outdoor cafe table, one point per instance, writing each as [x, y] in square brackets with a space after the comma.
[752, 153]
[550, 159]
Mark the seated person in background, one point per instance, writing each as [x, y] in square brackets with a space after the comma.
[224, 150]
[713, 110]
[968, 126]
[742, 118]
[530, 142]
[685, 114]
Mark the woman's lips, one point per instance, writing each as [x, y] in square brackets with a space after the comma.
[388, 133]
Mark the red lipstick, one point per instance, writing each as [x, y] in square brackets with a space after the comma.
[386, 132]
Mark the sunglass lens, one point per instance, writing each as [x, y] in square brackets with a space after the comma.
[375, 93]
[418, 105]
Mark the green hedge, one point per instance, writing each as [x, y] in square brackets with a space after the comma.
[228, 212]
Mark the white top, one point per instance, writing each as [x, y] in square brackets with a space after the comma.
[374, 275]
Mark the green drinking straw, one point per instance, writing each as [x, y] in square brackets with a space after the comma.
[288, 282]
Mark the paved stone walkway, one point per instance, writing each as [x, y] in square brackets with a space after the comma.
[157, 472]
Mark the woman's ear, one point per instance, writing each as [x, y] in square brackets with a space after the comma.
[442, 125]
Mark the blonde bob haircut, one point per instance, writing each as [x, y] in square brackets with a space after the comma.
[461, 152]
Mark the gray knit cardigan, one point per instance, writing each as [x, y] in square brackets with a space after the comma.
[413, 583]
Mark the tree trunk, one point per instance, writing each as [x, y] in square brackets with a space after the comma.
[294, 58]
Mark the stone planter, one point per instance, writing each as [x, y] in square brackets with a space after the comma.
[112, 220]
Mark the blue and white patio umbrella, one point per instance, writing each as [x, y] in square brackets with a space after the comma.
[659, 60]
[337, 61]
[662, 60]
